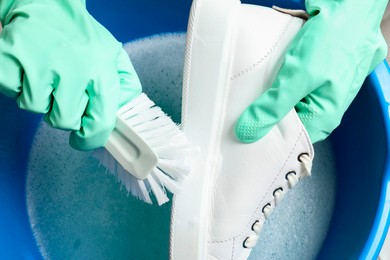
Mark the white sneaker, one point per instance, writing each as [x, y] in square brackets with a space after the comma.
[233, 54]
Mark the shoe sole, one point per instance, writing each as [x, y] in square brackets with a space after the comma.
[206, 47]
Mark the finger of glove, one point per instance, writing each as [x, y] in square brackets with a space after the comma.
[69, 101]
[31, 86]
[287, 90]
[36, 93]
[11, 71]
[99, 117]
[322, 110]
[130, 85]
[320, 115]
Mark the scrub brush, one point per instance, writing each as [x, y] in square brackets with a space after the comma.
[147, 151]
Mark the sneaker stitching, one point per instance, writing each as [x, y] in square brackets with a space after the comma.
[222, 241]
[188, 58]
[280, 172]
[234, 242]
[261, 202]
[257, 64]
[173, 227]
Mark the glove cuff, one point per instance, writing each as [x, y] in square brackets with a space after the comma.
[5, 6]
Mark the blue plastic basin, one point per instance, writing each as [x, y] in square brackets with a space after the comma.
[361, 144]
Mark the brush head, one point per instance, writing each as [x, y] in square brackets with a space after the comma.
[130, 150]
[146, 151]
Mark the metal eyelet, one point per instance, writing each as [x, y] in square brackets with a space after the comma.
[243, 243]
[290, 172]
[266, 205]
[281, 189]
[299, 156]
[254, 225]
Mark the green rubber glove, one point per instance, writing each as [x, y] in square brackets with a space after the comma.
[324, 68]
[56, 59]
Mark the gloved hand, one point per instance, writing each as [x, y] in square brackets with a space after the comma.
[56, 59]
[324, 68]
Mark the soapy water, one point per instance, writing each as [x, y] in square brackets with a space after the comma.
[78, 211]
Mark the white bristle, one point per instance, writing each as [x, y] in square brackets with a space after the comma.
[167, 131]
[175, 169]
[140, 101]
[179, 153]
[144, 116]
[136, 187]
[134, 111]
[151, 125]
[144, 192]
[158, 192]
[166, 140]
[165, 181]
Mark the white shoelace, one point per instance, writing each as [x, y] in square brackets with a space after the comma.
[292, 179]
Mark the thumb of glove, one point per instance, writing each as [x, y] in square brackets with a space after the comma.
[11, 71]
